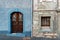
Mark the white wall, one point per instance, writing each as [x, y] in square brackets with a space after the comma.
[48, 5]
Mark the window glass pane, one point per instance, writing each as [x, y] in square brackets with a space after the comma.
[14, 17]
[45, 21]
[20, 17]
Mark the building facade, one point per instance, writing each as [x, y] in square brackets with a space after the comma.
[16, 17]
[33, 18]
[46, 18]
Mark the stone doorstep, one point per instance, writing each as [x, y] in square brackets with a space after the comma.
[26, 38]
[50, 35]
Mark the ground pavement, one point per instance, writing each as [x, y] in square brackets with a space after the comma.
[4, 37]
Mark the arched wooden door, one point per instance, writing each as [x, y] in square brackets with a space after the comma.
[17, 22]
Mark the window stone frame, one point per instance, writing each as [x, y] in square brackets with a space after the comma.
[51, 23]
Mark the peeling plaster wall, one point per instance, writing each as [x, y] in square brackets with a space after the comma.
[37, 30]
[58, 1]
[58, 22]
[44, 9]
[44, 5]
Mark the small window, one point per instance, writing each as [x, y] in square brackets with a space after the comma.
[45, 21]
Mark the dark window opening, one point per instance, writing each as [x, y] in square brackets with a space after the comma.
[45, 21]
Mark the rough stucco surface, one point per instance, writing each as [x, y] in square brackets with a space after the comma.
[45, 9]
[58, 31]
[37, 22]
[15, 3]
[44, 5]
[9, 6]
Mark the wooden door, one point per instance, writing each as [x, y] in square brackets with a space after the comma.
[17, 22]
